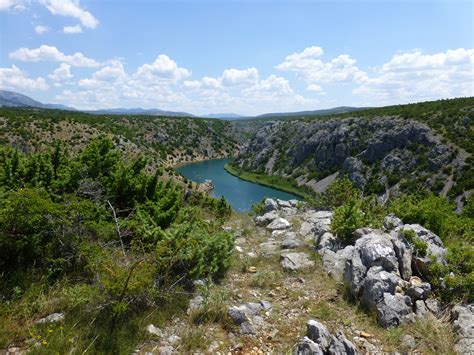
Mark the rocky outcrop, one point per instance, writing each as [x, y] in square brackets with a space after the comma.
[435, 248]
[378, 270]
[357, 147]
[319, 340]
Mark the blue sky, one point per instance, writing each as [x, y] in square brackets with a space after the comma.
[242, 56]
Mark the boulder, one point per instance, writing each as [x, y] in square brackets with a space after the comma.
[269, 248]
[463, 323]
[326, 241]
[318, 333]
[306, 229]
[340, 345]
[52, 318]
[404, 255]
[295, 261]
[419, 292]
[270, 205]
[433, 306]
[294, 203]
[279, 224]
[394, 310]
[435, 248]
[284, 204]
[354, 272]
[266, 218]
[246, 315]
[376, 284]
[335, 262]
[391, 222]
[308, 347]
[376, 249]
[421, 310]
[291, 242]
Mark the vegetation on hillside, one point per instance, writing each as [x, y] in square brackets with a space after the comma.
[94, 235]
[290, 146]
[167, 139]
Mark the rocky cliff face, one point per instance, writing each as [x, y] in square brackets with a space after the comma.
[375, 153]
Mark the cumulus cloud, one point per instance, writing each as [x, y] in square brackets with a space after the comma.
[40, 29]
[14, 78]
[63, 72]
[415, 76]
[309, 67]
[17, 5]
[232, 77]
[162, 69]
[72, 29]
[71, 8]
[244, 91]
[50, 53]
[111, 73]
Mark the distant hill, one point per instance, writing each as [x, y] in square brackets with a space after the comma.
[224, 116]
[14, 99]
[139, 111]
[329, 111]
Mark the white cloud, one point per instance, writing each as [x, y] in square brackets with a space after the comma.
[72, 29]
[163, 68]
[49, 53]
[17, 5]
[309, 67]
[71, 8]
[414, 76]
[232, 77]
[242, 90]
[16, 79]
[63, 72]
[111, 73]
[40, 29]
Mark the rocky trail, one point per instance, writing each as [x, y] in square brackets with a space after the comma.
[294, 288]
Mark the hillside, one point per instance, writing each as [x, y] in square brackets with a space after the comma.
[384, 150]
[166, 140]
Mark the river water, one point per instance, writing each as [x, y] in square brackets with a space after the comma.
[239, 193]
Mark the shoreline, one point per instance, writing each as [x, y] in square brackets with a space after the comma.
[184, 163]
[256, 179]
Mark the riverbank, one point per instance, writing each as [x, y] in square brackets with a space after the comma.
[275, 182]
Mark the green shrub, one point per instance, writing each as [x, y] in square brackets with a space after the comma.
[419, 246]
[347, 218]
[337, 194]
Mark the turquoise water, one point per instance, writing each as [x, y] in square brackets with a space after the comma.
[239, 193]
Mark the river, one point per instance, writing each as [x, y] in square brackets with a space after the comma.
[239, 193]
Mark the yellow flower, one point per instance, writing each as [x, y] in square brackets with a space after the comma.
[44, 342]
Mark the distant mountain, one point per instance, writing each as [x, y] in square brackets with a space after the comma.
[139, 111]
[14, 99]
[224, 116]
[329, 111]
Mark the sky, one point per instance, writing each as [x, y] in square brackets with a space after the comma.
[243, 56]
